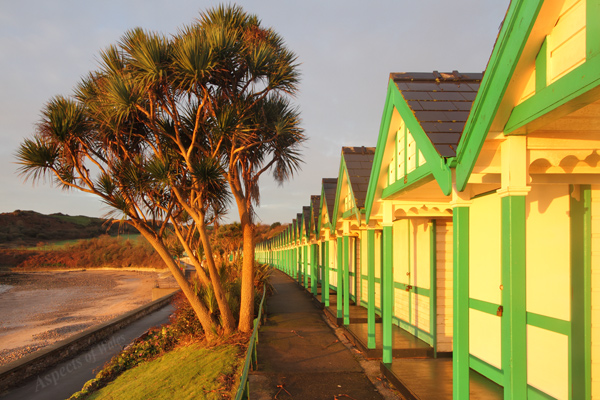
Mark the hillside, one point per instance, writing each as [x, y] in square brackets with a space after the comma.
[27, 228]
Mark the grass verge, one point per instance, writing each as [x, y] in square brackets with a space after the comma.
[189, 372]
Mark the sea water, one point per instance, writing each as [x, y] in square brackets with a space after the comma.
[5, 288]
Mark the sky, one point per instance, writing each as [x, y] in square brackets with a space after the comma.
[346, 50]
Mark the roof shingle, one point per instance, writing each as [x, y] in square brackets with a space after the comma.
[359, 161]
[441, 102]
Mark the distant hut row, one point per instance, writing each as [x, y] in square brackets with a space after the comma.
[466, 244]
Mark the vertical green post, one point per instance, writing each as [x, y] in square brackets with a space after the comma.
[514, 317]
[313, 269]
[325, 288]
[340, 283]
[460, 352]
[580, 341]
[371, 288]
[387, 283]
[305, 265]
[297, 260]
[346, 277]
[433, 291]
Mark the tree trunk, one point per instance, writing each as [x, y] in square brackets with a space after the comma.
[208, 325]
[227, 319]
[247, 296]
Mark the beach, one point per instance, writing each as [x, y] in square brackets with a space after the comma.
[41, 308]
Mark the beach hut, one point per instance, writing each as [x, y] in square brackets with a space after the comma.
[409, 210]
[526, 201]
[328, 240]
[348, 223]
[315, 244]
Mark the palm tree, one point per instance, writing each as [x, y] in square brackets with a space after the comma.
[125, 137]
[167, 127]
[253, 121]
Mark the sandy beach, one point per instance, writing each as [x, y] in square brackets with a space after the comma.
[40, 308]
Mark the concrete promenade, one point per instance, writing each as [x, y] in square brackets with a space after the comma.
[68, 377]
[300, 356]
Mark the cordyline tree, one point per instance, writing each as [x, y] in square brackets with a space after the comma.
[168, 128]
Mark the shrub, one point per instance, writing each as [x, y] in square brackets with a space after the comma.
[104, 251]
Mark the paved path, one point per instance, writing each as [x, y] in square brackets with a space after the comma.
[62, 380]
[299, 356]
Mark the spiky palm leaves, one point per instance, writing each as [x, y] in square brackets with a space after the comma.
[167, 123]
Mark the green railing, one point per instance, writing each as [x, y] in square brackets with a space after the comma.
[251, 354]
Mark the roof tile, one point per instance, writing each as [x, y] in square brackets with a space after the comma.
[358, 162]
[441, 102]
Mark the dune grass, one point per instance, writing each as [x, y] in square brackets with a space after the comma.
[189, 372]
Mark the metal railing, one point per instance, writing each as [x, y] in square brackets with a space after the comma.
[251, 354]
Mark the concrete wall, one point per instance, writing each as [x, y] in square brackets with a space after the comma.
[18, 371]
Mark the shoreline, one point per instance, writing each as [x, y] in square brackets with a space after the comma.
[44, 307]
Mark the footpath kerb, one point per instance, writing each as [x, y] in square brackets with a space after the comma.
[17, 371]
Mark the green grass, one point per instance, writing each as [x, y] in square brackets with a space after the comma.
[190, 372]
[79, 219]
[58, 245]
[61, 244]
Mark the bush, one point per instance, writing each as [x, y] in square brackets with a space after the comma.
[104, 251]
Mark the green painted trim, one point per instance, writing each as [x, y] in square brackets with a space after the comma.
[388, 293]
[434, 161]
[364, 277]
[349, 213]
[379, 152]
[575, 83]
[433, 284]
[323, 203]
[415, 289]
[592, 28]
[460, 295]
[541, 67]
[519, 21]
[421, 291]
[483, 306]
[413, 330]
[420, 176]
[337, 213]
[326, 259]
[340, 270]
[305, 265]
[371, 288]
[346, 280]
[295, 263]
[581, 288]
[548, 323]
[314, 268]
[399, 285]
[405, 161]
[352, 274]
[536, 394]
[489, 371]
[514, 319]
